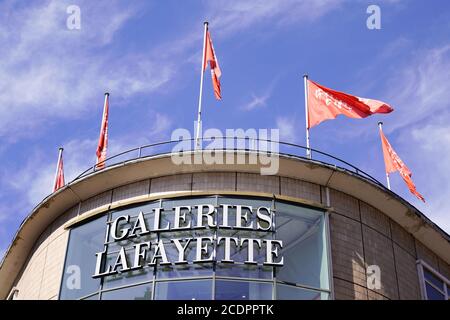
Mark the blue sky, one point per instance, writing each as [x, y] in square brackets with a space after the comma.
[147, 55]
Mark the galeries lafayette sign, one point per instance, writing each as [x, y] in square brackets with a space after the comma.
[188, 218]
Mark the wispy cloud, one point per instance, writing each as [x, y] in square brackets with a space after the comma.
[288, 130]
[256, 102]
[34, 179]
[53, 72]
[420, 127]
[230, 16]
[260, 100]
[418, 89]
[162, 124]
[430, 154]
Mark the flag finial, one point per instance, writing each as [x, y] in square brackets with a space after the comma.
[206, 22]
[106, 93]
[61, 148]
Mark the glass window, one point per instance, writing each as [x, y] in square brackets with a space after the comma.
[115, 245]
[85, 241]
[240, 290]
[435, 284]
[244, 271]
[433, 294]
[251, 216]
[168, 216]
[129, 277]
[133, 212]
[302, 231]
[183, 270]
[239, 254]
[184, 290]
[140, 292]
[433, 279]
[286, 292]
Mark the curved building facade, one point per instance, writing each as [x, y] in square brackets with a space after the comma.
[148, 228]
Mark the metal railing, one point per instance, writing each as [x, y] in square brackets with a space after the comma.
[244, 144]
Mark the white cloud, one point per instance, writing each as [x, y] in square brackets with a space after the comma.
[421, 121]
[260, 100]
[256, 102]
[288, 130]
[431, 154]
[229, 16]
[419, 88]
[50, 72]
[34, 181]
[396, 47]
[161, 123]
[55, 73]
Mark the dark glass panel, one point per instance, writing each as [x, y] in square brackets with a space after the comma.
[85, 241]
[242, 290]
[184, 290]
[286, 292]
[433, 294]
[302, 231]
[141, 292]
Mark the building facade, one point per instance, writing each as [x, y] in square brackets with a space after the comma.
[148, 228]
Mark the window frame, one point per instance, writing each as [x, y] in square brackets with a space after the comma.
[421, 267]
[214, 277]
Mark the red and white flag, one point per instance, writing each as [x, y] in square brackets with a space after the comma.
[103, 139]
[210, 56]
[325, 103]
[59, 176]
[393, 163]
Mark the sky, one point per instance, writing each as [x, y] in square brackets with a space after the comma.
[147, 54]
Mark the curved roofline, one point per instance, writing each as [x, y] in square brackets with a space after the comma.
[325, 174]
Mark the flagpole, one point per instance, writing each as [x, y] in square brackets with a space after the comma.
[199, 116]
[61, 149]
[388, 182]
[308, 149]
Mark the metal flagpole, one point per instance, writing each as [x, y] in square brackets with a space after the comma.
[388, 182]
[199, 117]
[308, 150]
[57, 165]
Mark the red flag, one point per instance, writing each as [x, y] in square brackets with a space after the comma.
[393, 163]
[210, 56]
[103, 139]
[325, 103]
[59, 177]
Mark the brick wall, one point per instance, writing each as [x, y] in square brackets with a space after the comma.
[362, 236]
[41, 275]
